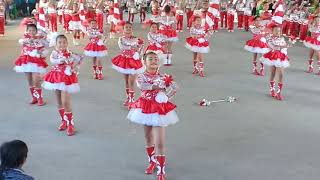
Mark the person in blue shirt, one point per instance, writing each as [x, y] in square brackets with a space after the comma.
[13, 155]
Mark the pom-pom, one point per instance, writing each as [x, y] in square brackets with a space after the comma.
[66, 54]
[161, 97]
[168, 80]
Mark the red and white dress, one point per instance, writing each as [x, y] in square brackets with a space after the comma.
[258, 44]
[156, 43]
[313, 41]
[277, 56]
[96, 47]
[152, 107]
[62, 75]
[32, 58]
[75, 23]
[166, 28]
[129, 62]
[198, 42]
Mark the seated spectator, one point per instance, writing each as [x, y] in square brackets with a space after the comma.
[13, 155]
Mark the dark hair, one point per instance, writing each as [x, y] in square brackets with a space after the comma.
[32, 26]
[256, 17]
[13, 154]
[149, 53]
[128, 23]
[61, 36]
[167, 9]
[154, 23]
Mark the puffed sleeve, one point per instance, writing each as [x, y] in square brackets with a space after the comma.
[142, 83]
[55, 59]
[171, 90]
[76, 57]
[122, 44]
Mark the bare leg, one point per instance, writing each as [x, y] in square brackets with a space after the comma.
[36, 80]
[66, 101]
[94, 60]
[280, 74]
[160, 140]
[131, 81]
[148, 135]
[311, 54]
[273, 73]
[29, 79]
[99, 62]
[126, 80]
[59, 99]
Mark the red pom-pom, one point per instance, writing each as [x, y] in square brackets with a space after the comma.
[167, 80]
[66, 53]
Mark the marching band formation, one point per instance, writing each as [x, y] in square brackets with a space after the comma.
[275, 26]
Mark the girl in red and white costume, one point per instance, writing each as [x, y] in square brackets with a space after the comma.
[96, 48]
[313, 42]
[43, 16]
[143, 8]
[111, 20]
[294, 23]
[303, 24]
[167, 29]
[60, 11]
[154, 111]
[265, 15]
[179, 15]
[75, 23]
[198, 43]
[52, 13]
[2, 18]
[286, 23]
[156, 41]
[83, 18]
[257, 45]
[240, 13]
[128, 62]
[277, 59]
[63, 80]
[67, 18]
[155, 8]
[250, 4]
[230, 15]
[189, 13]
[32, 62]
[132, 10]
[223, 15]
[99, 15]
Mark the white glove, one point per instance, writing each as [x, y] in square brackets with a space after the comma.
[201, 40]
[284, 51]
[136, 56]
[67, 71]
[263, 39]
[100, 42]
